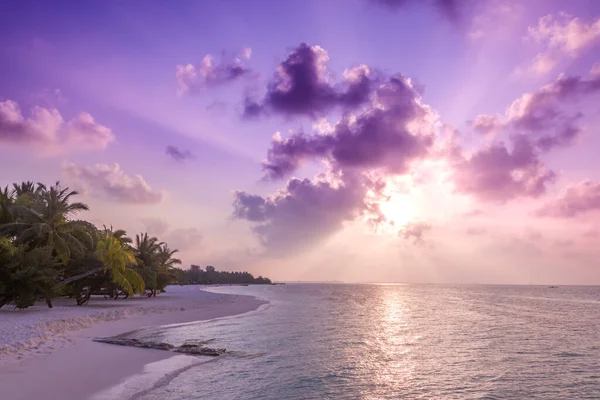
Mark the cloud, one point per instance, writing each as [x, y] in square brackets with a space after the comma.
[210, 73]
[388, 135]
[577, 200]
[217, 107]
[83, 132]
[495, 19]
[415, 231]
[448, 8]
[179, 155]
[561, 35]
[50, 97]
[181, 239]
[305, 212]
[473, 213]
[302, 85]
[486, 124]
[476, 231]
[184, 239]
[542, 114]
[246, 53]
[108, 180]
[499, 174]
[155, 226]
[46, 130]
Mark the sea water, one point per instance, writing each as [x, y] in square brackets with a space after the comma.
[336, 341]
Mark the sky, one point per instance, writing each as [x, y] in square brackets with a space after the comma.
[442, 141]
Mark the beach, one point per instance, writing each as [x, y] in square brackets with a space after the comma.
[49, 353]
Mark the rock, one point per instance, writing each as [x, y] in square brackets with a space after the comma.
[192, 347]
[135, 343]
[199, 351]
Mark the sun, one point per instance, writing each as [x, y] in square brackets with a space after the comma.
[398, 209]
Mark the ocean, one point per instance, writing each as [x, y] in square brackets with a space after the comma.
[339, 341]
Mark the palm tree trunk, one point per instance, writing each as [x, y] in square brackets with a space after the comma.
[4, 300]
[49, 302]
[80, 276]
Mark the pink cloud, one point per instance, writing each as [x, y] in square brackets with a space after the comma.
[486, 124]
[109, 181]
[47, 130]
[155, 226]
[476, 231]
[415, 231]
[543, 116]
[577, 200]
[561, 35]
[195, 78]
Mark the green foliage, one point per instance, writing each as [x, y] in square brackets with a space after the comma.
[210, 276]
[26, 276]
[117, 257]
[46, 252]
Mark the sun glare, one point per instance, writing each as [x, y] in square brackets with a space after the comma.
[398, 209]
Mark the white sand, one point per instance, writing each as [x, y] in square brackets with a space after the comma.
[48, 353]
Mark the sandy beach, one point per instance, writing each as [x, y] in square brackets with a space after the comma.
[49, 353]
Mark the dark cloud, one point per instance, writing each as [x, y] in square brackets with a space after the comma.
[194, 78]
[302, 85]
[543, 115]
[178, 155]
[448, 8]
[577, 200]
[415, 231]
[536, 123]
[499, 174]
[378, 138]
[305, 212]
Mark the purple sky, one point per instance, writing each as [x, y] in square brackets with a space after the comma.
[359, 140]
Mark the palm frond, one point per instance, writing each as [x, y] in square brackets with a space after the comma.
[134, 279]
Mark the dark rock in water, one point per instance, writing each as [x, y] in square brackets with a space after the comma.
[199, 351]
[192, 347]
[135, 343]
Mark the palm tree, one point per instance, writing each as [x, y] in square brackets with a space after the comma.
[147, 250]
[165, 270]
[120, 235]
[26, 275]
[6, 203]
[43, 219]
[117, 260]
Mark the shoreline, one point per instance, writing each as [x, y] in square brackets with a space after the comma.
[64, 361]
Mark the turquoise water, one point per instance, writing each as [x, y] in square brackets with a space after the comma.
[328, 341]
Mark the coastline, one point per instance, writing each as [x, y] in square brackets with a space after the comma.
[62, 360]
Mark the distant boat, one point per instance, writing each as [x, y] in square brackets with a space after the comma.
[553, 287]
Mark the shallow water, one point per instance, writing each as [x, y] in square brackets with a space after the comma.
[329, 341]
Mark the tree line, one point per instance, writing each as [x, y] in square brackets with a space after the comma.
[47, 252]
[210, 276]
